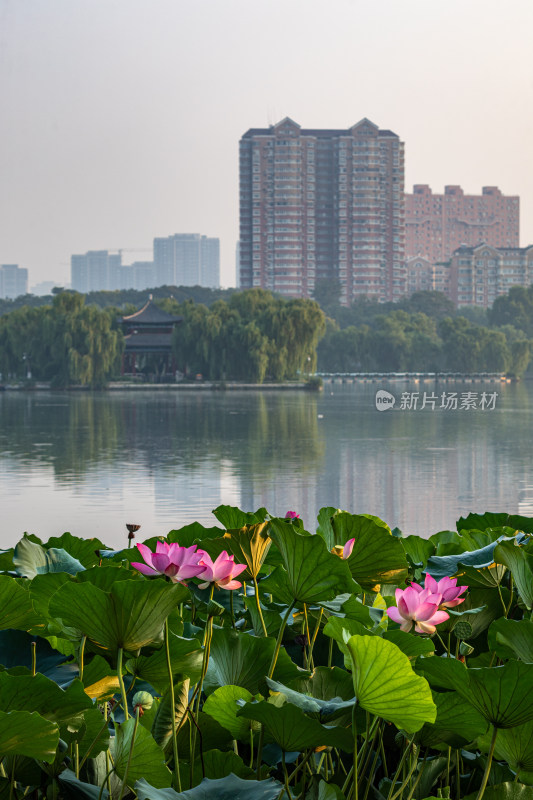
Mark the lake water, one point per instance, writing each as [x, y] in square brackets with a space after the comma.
[89, 463]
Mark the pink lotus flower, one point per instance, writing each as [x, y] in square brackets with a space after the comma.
[344, 552]
[418, 607]
[347, 549]
[221, 572]
[447, 587]
[292, 515]
[177, 563]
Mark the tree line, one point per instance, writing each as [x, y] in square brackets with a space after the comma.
[426, 333]
[254, 336]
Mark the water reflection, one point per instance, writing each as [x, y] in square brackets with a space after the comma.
[91, 462]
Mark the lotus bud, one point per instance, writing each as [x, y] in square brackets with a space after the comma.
[142, 701]
[466, 649]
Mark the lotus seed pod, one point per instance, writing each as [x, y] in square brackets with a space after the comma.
[143, 700]
[463, 630]
[466, 649]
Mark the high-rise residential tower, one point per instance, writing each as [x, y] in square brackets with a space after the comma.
[13, 281]
[437, 224]
[95, 271]
[187, 259]
[322, 205]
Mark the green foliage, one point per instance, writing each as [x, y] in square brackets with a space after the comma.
[65, 343]
[251, 337]
[334, 673]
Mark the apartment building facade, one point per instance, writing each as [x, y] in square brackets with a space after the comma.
[437, 224]
[478, 275]
[187, 259]
[13, 281]
[96, 271]
[322, 204]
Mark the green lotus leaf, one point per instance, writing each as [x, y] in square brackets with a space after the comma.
[475, 539]
[43, 587]
[291, 729]
[28, 734]
[277, 585]
[410, 644]
[130, 616]
[314, 707]
[377, 556]
[457, 723]
[515, 745]
[449, 565]
[37, 693]
[325, 683]
[502, 695]
[186, 656]
[271, 618]
[213, 736]
[495, 520]
[313, 573]
[147, 759]
[16, 651]
[104, 578]
[162, 724]
[16, 608]
[84, 550]
[386, 685]
[329, 791]
[31, 559]
[480, 609]
[92, 736]
[239, 659]
[418, 550]
[229, 788]
[215, 764]
[222, 706]
[519, 560]
[6, 559]
[325, 526]
[482, 577]
[232, 517]
[443, 673]
[504, 791]
[192, 533]
[74, 789]
[249, 545]
[510, 638]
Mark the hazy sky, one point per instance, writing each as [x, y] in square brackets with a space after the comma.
[120, 119]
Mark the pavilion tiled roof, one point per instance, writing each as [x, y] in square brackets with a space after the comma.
[150, 314]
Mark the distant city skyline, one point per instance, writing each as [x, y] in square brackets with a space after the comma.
[122, 118]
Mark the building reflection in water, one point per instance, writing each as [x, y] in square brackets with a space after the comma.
[84, 462]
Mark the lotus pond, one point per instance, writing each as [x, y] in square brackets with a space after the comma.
[255, 660]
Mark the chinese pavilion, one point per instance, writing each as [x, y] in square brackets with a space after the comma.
[148, 336]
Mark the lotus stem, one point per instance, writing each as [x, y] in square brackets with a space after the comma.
[419, 777]
[258, 603]
[82, 654]
[176, 777]
[205, 663]
[129, 754]
[279, 639]
[121, 683]
[408, 776]
[315, 634]
[489, 764]
[400, 767]
[34, 658]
